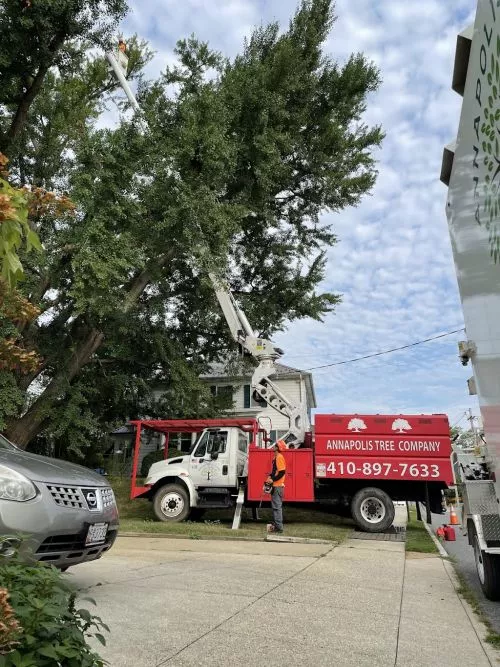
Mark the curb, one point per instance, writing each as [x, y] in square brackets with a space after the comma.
[230, 538]
[298, 540]
[173, 536]
[442, 551]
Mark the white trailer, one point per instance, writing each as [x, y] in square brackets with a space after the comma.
[471, 169]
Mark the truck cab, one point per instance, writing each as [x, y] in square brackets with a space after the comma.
[207, 478]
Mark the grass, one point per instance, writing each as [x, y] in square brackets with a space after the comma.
[417, 538]
[465, 591]
[137, 516]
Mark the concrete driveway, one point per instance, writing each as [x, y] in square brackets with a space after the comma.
[188, 603]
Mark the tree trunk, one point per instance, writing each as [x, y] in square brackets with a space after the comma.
[21, 115]
[21, 431]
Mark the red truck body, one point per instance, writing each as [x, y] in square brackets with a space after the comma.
[369, 448]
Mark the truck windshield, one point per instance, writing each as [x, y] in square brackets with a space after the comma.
[5, 444]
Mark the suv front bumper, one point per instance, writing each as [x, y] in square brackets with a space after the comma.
[54, 525]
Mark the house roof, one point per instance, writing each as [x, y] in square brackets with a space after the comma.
[244, 370]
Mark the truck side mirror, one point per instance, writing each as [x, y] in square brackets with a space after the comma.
[214, 454]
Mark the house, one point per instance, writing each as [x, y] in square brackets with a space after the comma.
[121, 455]
[294, 383]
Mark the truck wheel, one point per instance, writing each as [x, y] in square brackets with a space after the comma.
[488, 570]
[171, 503]
[372, 509]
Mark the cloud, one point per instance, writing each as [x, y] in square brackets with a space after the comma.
[393, 263]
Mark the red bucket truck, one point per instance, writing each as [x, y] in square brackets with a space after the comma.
[359, 464]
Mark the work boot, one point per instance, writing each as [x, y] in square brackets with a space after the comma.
[272, 528]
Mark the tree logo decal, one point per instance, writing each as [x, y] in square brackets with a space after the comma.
[356, 425]
[489, 138]
[400, 425]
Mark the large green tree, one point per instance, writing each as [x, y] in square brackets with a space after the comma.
[241, 162]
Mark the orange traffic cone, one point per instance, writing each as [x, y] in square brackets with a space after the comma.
[453, 517]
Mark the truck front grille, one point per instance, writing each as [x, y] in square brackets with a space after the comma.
[66, 496]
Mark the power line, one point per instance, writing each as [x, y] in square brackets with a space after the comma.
[379, 354]
[458, 421]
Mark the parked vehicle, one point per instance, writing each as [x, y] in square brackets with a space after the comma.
[470, 169]
[52, 510]
[395, 458]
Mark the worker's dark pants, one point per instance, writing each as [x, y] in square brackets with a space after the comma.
[277, 505]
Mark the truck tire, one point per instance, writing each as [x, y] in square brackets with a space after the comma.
[171, 503]
[372, 510]
[488, 570]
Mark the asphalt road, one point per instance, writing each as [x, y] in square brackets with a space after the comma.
[464, 557]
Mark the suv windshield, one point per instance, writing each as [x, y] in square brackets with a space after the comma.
[5, 444]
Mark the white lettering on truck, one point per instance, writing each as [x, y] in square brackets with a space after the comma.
[383, 445]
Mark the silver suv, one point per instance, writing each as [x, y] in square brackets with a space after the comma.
[66, 513]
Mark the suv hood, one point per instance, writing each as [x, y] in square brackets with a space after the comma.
[44, 469]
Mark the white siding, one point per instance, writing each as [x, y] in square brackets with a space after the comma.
[293, 388]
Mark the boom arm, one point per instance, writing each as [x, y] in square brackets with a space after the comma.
[261, 349]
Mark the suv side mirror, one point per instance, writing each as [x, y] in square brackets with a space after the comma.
[214, 456]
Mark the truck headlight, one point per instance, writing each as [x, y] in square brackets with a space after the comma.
[14, 486]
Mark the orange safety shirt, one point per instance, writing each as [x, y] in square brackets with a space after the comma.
[279, 465]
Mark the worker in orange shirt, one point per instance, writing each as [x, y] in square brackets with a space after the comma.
[277, 479]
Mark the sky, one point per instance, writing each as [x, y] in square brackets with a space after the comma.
[393, 264]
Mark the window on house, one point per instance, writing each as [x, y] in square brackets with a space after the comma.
[248, 399]
[183, 442]
[226, 390]
[276, 435]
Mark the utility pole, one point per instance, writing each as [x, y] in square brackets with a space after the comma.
[471, 419]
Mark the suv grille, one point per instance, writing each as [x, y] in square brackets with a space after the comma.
[72, 497]
[66, 496]
[108, 497]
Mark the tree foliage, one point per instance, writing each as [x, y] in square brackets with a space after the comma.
[231, 174]
[465, 438]
[38, 36]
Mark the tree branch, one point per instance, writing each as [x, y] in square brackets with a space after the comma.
[21, 115]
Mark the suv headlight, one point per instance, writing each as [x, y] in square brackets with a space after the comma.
[14, 486]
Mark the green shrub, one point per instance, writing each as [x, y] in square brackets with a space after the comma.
[47, 629]
[148, 461]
